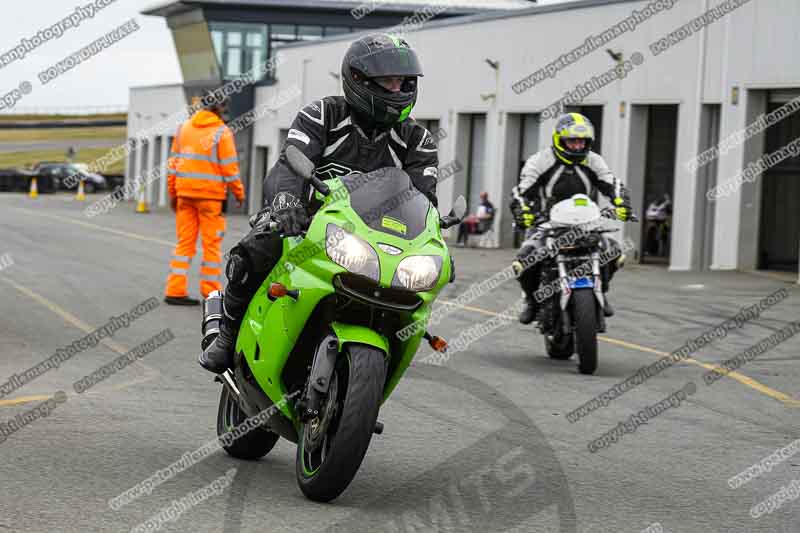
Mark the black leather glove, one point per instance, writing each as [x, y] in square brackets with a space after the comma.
[292, 220]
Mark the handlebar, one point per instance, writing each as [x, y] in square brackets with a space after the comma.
[318, 184]
[448, 221]
[611, 212]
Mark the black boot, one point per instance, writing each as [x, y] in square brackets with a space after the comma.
[608, 311]
[528, 313]
[218, 357]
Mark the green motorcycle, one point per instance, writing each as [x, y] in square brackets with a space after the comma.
[318, 352]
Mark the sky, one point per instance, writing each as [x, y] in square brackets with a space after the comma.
[145, 57]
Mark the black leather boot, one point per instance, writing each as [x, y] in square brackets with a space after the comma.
[528, 313]
[608, 311]
[218, 356]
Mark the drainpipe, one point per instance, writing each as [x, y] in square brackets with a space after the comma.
[695, 260]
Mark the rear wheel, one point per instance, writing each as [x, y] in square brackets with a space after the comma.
[585, 316]
[331, 447]
[254, 444]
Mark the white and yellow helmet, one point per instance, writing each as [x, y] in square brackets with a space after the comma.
[572, 126]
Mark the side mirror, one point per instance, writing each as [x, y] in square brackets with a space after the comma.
[459, 208]
[304, 167]
[456, 214]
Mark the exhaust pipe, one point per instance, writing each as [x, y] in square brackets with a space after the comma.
[212, 318]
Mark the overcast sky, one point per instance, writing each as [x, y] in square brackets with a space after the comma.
[145, 57]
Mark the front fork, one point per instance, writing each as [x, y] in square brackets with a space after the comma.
[566, 290]
[320, 378]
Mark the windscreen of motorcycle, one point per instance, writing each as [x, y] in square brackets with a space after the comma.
[580, 209]
[386, 201]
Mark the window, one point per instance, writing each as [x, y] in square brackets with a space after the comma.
[309, 33]
[336, 30]
[239, 47]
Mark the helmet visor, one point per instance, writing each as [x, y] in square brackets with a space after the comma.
[387, 61]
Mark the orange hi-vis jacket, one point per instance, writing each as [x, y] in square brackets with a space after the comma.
[203, 162]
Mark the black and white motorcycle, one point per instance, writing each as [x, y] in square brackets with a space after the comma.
[570, 293]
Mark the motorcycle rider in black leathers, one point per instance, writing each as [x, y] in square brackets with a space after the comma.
[568, 167]
[367, 129]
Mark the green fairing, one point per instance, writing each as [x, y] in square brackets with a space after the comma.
[276, 326]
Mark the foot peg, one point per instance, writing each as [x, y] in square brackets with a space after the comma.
[378, 428]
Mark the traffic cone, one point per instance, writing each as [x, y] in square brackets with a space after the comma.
[34, 192]
[141, 205]
[80, 195]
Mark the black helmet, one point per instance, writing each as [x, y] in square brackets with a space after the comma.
[379, 55]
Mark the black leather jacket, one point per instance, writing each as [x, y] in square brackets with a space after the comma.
[329, 135]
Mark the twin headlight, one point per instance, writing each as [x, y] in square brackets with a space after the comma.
[415, 273]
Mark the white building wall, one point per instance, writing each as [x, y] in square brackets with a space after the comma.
[154, 112]
[700, 70]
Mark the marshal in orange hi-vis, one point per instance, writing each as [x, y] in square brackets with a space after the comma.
[203, 166]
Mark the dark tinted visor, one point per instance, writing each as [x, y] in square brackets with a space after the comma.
[388, 62]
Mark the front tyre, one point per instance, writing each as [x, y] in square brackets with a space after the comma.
[252, 445]
[356, 392]
[584, 314]
[559, 346]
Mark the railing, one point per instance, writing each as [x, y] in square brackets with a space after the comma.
[66, 110]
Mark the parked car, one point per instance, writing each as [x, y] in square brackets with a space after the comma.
[61, 171]
[19, 179]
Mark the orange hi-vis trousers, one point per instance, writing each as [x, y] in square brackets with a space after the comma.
[196, 215]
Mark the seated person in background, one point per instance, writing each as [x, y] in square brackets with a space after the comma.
[478, 223]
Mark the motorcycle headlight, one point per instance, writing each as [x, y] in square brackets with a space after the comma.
[418, 272]
[351, 252]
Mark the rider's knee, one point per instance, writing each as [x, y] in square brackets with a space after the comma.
[238, 269]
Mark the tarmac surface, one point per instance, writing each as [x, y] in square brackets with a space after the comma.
[480, 443]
